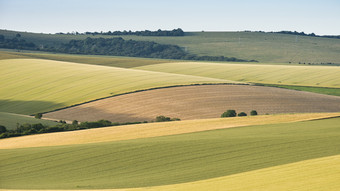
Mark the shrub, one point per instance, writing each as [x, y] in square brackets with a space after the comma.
[74, 122]
[242, 114]
[229, 113]
[162, 118]
[38, 116]
[2, 129]
[253, 112]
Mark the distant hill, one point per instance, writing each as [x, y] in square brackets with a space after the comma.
[263, 47]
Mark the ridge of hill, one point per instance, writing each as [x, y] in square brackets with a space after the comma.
[263, 47]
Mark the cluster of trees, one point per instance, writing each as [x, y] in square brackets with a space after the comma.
[327, 63]
[120, 47]
[162, 118]
[305, 34]
[16, 43]
[159, 32]
[232, 113]
[29, 129]
[115, 47]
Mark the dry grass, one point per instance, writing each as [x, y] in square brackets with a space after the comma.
[199, 102]
[151, 130]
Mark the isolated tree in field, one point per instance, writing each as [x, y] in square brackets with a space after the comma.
[242, 114]
[253, 112]
[229, 113]
[38, 116]
[2, 129]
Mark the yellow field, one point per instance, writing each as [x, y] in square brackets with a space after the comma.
[321, 76]
[310, 175]
[33, 85]
[151, 130]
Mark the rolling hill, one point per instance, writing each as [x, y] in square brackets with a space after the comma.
[317, 76]
[10, 120]
[35, 85]
[263, 47]
[184, 157]
[198, 102]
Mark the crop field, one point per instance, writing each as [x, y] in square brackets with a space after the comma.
[138, 163]
[263, 47]
[122, 62]
[10, 120]
[319, 76]
[118, 133]
[34, 85]
[312, 175]
[199, 102]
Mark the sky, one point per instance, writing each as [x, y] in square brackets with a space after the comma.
[321, 17]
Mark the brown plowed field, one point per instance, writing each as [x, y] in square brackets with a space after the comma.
[199, 102]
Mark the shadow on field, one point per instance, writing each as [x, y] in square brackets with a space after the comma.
[27, 107]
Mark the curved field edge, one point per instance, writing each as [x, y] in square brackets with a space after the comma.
[33, 85]
[182, 103]
[113, 61]
[168, 159]
[318, 76]
[10, 120]
[312, 175]
[128, 132]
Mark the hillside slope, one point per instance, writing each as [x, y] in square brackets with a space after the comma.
[118, 133]
[184, 158]
[36, 85]
[318, 76]
[263, 47]
[199, 102]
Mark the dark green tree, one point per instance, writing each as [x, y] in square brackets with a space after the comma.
[242, 114]
[2, 129]
[229, 113]
[162, 118]
[38, 116]
[74, 122]
[253, 112]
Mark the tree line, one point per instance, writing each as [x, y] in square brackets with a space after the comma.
[116, 46]
[159, 32]
[306, 34]
[30, 129]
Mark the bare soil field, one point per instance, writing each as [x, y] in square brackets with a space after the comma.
[199, 102]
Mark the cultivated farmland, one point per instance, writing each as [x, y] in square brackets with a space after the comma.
[263, 47]
[34, 85]
[311, 175]
[319, 76]
[10, 120]
[153, 130]
[199, 102]
[142, 162]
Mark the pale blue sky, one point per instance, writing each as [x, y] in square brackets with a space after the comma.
[50, 16]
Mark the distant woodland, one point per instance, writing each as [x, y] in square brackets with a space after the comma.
[115, 47]
[175, 32]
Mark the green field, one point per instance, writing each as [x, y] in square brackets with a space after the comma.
[34, 85]
[169, 159]
[312, 175]
[10, 120]
[122, 62]
[263, 47]
[318, 76]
